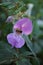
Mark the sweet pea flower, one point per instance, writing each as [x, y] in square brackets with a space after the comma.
[24, 26]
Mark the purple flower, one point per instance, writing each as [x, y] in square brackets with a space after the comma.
[15, 40]
[10, 19]
[25, 25]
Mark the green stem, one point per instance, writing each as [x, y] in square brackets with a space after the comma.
[29, 45]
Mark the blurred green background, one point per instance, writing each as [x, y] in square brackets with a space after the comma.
[24, 55]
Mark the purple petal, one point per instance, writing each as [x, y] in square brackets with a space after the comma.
[11, 40]
[25, 25]
[15, 40]
[20, 43]
[27, 28]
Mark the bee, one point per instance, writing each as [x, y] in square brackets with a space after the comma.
[18, 31]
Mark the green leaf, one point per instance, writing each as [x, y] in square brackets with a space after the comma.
[36, 47]
[6, 28]
[27, 53]
[36, 30]
[23, 62]
[29, 45]
[6, 52]
[34, 61]
[5, 4]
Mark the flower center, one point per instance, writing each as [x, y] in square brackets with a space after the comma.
[18, 31]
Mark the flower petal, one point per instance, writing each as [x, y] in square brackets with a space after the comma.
[20, 41]
[11, 40]
[25, 25]
[27, 28]
[15, 40]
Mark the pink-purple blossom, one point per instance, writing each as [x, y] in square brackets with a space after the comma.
[15, 39]
[25, 25]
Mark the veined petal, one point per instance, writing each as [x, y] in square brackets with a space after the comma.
[15, 40]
